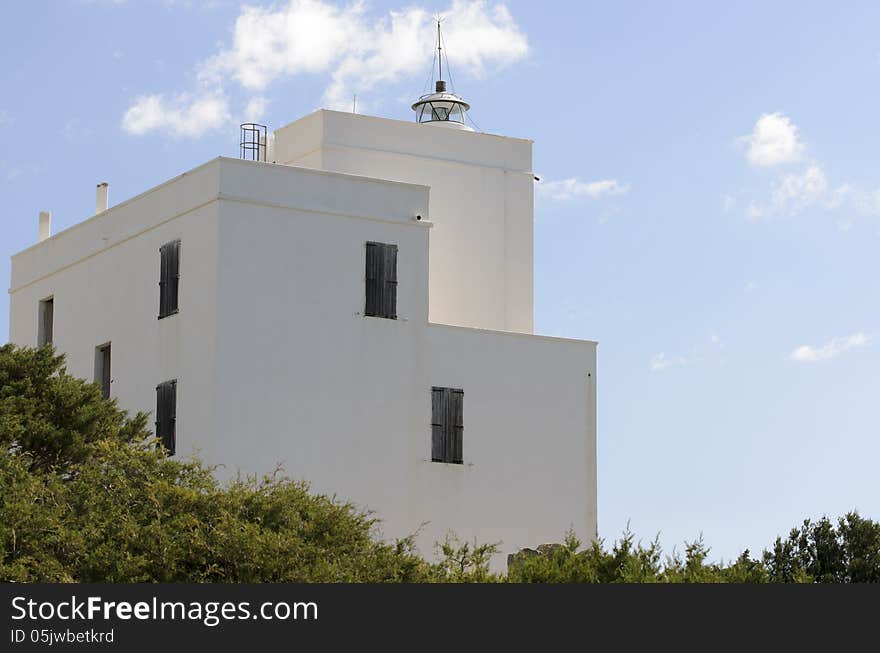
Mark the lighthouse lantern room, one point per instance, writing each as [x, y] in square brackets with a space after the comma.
[442, 107]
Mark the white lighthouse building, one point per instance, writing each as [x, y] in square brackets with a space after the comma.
[355, 305]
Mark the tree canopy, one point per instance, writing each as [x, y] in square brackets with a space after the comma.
[86, 496]
[817, 552]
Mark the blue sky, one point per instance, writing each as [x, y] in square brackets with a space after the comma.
[709, 208]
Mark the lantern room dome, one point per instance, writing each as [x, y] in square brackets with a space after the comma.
[442, 108]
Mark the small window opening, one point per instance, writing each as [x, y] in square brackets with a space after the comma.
[166, 415]
[46, 318]
[447, 425]
[381, 281]
[102, 369]
[169, 278]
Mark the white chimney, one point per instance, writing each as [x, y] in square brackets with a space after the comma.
[102, 197]
[45, 225]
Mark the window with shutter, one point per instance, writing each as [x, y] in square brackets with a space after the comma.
[447, 425]
[102, 369]
[46, 319]
[169, 278]
[381, 280]
[166, 415]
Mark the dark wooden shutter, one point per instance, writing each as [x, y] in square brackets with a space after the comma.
[160, 412]
[169, 278]
[381, 281]
[173, 275]
[373, 277]
[456, 426]
[166, 415]
[447, 425]
[389, 298]
[105, 371]
[438, 425]
[163, 280]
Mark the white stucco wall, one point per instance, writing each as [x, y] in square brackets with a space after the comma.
[277, 364]
[343, 400]
[103, 274]
[529, 439]
[482, 187]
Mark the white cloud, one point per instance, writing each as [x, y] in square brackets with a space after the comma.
[661, 362]
[183, 115]
[792, 194]
[774, 140]
[5, 119]
[840, 196]
[358, 53]
[831, 349]
[255, 109]
[567, 189]
[303, 36]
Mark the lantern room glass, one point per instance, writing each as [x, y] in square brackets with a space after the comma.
[442, 111]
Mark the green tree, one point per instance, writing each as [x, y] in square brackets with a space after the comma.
[818, 552]
[464, 562]
[815, 553]
[626, 562]
[745, 570]
[51, 418]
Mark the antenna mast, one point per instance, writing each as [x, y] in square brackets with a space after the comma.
[439, 52]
